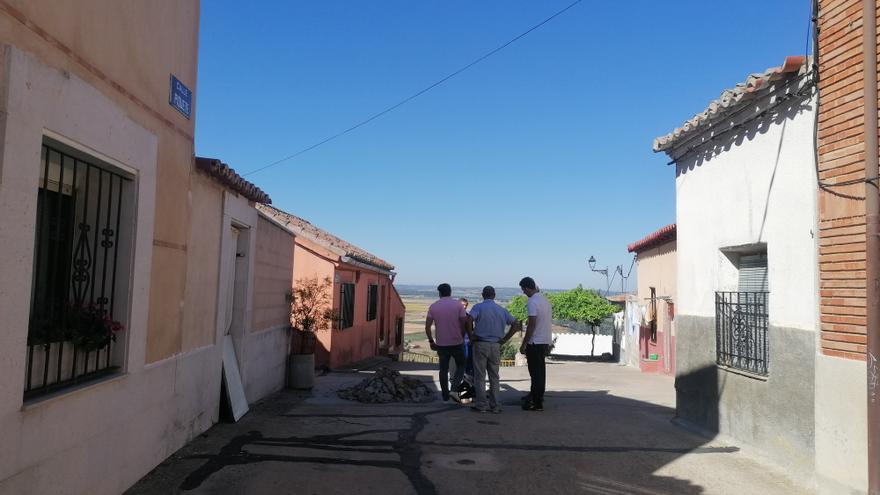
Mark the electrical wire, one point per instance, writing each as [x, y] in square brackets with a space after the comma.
[417, 94]
[631, 265]
[825, 186]
[610, 283]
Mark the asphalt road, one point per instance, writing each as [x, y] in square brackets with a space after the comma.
[605, 430]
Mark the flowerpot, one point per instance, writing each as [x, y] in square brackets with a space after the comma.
[301, 371]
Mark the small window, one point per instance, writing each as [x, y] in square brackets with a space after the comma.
[741, 318]
[372, 301]
[346, 306]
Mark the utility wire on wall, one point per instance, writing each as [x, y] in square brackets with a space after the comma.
[415, 95]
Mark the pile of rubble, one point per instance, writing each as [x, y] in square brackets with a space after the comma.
[387, 385]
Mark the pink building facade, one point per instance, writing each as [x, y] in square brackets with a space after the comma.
[656, 257]
[369, 309]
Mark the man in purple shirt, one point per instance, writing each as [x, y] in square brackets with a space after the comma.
[449, 318]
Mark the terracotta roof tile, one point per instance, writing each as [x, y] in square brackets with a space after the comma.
[755, 85]
[230, 178]
[302, 227]
[654, 239]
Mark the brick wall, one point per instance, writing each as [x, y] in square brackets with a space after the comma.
[841, 158]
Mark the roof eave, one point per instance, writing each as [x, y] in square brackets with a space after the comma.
[729, 100]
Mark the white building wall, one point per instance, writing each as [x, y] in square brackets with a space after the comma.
[755, 188]
[761, 189]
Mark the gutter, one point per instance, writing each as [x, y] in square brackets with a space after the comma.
[351, 261]
[872, 240]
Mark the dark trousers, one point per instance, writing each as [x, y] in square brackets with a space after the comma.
[537, 371]
[455, 352]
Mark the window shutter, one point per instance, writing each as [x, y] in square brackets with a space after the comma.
[753, 273]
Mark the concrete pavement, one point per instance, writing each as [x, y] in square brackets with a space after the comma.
[605, 430]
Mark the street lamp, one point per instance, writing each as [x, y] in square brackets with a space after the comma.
[618, 269]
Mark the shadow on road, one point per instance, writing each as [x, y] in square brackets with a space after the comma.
[584, 442]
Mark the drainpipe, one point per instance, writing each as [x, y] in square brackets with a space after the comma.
[872, 240]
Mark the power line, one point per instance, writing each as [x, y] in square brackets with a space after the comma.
[415, 95]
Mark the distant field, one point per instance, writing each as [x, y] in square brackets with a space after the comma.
[414, 322]
[416, 311]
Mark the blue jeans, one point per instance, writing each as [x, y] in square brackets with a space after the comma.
[469, 358]
[455, 352]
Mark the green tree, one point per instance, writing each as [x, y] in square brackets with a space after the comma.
[577, 304]
[583, 305]
[580, 304]
[517, 307]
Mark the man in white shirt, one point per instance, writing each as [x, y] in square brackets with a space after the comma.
[536, 342]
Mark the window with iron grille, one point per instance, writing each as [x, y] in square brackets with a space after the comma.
[346, 305]
[372, 301]
[741, 319]
[77, 274]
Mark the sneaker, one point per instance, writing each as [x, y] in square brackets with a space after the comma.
[455, 398]
[496, 410]
[531, 406]
[478, 410]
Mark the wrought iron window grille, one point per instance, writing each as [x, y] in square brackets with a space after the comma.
[741, 323]
[72, 326]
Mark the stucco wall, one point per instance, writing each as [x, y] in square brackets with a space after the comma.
[127, 51]
[757, 187]
[396, 310]
[267, 340]
[657, 268]
[274, 276]
[311, 260]
[340, 347]
[94, 75]
[774, 415]
[101, 437]
[203, 268]
[841, 425]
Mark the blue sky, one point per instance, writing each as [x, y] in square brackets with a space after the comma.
[526, 164]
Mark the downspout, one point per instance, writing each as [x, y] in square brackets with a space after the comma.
[872, 240]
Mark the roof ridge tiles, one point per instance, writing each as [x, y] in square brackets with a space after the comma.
[321, 236]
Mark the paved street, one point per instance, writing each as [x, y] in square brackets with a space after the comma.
[605, 430]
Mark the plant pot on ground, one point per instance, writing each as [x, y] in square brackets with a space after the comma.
[310, 310]
[301, 362]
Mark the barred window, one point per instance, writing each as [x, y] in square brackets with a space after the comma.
[372, 301]
[741, 319]
[82, 206]
[346, 305]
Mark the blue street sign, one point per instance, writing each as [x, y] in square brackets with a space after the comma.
[180, 97]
